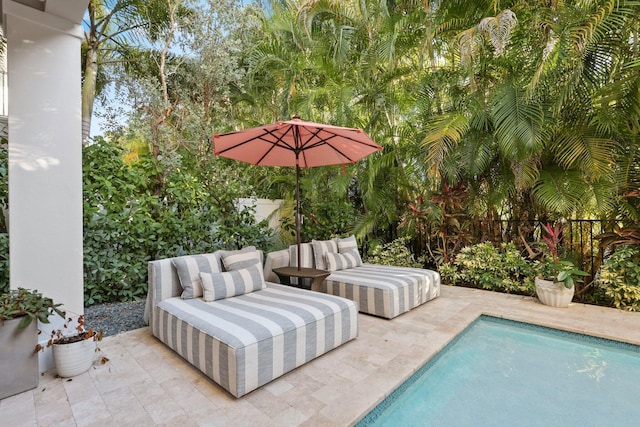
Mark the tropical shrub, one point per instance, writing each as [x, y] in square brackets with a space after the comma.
[118, 226]
[552, 267]
[620, 278]
[488, 267]
[394, 253]
[321, 221]
[328, 218]
[130, 218]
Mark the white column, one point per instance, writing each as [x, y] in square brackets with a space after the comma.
[45, 154]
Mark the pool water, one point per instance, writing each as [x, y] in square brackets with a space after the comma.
[505, 373]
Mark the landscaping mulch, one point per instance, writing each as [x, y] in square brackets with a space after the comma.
[114, 318]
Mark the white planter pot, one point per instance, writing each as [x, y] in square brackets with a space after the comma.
[74, 358]
[554, 294]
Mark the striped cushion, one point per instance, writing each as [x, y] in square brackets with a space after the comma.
[306, 255]
[350, 246]
[232, 283]
[306, 260]
[341, 261]
[347, 243]
[243, 258]
[320, 249]
[189, 268]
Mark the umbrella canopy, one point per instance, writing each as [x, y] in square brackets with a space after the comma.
[295, 143]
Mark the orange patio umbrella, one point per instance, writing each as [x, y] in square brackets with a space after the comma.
[295, 143]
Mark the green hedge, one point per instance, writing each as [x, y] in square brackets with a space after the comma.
[485, 266]
[137, 212]
[620, 278]
[395, 253]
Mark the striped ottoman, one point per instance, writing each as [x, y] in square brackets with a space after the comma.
[382, 290]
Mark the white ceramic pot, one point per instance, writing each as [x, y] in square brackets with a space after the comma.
[74, 358]
[554, 294]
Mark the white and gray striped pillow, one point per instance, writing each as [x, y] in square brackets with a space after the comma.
[320, 249]
[349, 245]
[306, 255]
[243, 258]
[232, 283]
[336, 261]
[189, 268]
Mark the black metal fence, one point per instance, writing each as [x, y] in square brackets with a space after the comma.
[578, 239]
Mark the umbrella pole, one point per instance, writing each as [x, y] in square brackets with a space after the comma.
[298, 209]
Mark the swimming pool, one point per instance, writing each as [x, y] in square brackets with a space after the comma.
[505, 373]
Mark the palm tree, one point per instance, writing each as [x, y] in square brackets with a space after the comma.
[533, 120]
[114, 32]
[525, 109]
[353, 64]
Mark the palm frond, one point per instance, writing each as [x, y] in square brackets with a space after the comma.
[518, 122]
[603, 195]
[498, 28]
[629, 211]
[477, 153]
[525, 173]
[593, 155]
[560, 191]
[443, 135]
[452, 168]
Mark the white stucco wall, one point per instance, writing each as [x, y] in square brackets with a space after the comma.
[45, 154]
[264, 208]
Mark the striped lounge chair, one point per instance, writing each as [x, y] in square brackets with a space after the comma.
[379, 290]
[245, 340]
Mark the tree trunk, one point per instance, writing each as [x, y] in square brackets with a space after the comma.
[89, 92]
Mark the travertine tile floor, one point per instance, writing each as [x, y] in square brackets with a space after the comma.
[145, 383]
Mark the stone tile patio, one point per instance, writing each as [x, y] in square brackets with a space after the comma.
[145, 383]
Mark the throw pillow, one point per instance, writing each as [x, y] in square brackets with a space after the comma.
[232, 283]
[189, 268]
[337, 261]
[243, 258]
[320, 249]
[306, 255]
[350, 246]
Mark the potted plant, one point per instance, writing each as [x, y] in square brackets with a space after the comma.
[556, 278]
[73, 348]
[20, 310]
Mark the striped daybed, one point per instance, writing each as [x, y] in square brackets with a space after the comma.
[243, 341]
[379, 290]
